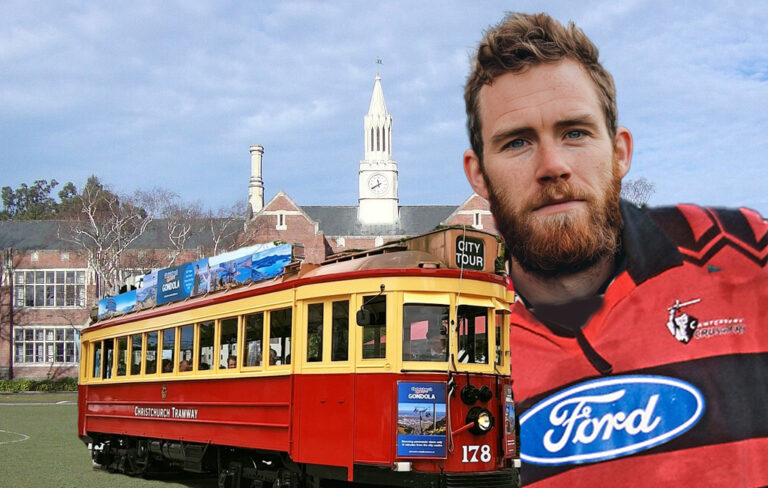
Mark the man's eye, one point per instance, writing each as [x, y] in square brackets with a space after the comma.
[515, 144]
[574, 134]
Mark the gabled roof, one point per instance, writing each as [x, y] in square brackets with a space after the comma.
[461, 207]
[342, 220]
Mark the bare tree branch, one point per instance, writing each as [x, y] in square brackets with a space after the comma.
[104, 225]
[637, 191]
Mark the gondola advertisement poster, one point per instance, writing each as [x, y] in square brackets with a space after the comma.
[421, 419]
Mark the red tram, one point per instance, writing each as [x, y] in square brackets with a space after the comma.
[388, 367]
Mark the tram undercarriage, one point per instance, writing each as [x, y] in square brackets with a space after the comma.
[244, 468]
[235, 468]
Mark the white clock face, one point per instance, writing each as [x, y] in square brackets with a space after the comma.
[378, 184]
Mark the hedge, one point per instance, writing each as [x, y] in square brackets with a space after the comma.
[59, 384]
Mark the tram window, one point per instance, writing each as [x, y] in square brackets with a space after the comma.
[280, 335]
[228, 343]
[122, 355]
[206, 332]
[375, 335]
[253, 339]
[315, 332]
[186, 348]
[97, 359]
[473, 334]
[169, 346]
[340, 331]
[109, 347]
[136, 354]
[150, 364]
[425, 332]
[499, 321]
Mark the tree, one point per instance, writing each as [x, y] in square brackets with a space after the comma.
[180, 219]
[637, 191]
[225, 227]
[32, 202]
[104, 225]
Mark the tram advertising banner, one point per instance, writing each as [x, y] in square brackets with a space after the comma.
[254, 263]
[122, 303]
[180, 282]
[146, 294]
[421, 419]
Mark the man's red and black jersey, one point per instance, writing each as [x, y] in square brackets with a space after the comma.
[663, 379]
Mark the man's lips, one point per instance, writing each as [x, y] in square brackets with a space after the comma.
[558, 206]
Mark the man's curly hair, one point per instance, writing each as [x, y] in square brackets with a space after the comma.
[523, 40]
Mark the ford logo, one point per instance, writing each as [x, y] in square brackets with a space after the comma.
[608, 418]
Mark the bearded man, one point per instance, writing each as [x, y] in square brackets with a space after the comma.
[607, 396]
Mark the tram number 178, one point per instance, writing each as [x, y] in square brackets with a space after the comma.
[476, 454]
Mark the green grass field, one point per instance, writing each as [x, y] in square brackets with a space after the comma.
[39, 448]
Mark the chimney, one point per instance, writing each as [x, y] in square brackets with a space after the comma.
[256, 185]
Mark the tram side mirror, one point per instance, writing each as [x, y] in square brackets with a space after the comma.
[364, 317]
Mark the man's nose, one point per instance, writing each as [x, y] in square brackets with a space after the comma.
[552, 164]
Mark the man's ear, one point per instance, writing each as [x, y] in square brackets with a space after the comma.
[622, 144]
[475, 173]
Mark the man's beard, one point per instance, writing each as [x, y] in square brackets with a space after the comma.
[561, 243]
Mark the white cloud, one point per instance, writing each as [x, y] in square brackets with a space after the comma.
[173, 93]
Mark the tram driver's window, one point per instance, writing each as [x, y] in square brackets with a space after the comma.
[340, 331]
[253, 339]
[122, 355]
[169, 347]
[228, 344]
[473, 334]
[206, 336]
[150, 366]
[109, 347]
[280, 336]
[186, 348]
[315, 332]
[425, 332]
[375, 334]
[97, 359]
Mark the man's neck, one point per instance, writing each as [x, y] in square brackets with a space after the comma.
[539, 290]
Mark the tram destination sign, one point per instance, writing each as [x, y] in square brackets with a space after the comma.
[470, 253]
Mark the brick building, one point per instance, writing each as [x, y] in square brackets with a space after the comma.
[48, 287]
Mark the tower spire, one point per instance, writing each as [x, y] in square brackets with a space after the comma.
[378, 125]
[378, 171]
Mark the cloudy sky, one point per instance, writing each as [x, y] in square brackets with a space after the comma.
[173, 93]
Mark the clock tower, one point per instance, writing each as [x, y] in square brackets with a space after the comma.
[378, 171]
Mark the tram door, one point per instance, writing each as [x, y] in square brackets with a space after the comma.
[374, 385]
[325, 389]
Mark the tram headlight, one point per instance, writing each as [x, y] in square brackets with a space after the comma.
[481, 419]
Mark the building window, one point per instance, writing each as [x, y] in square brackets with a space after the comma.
[341, 242]
[49, 288]
[281, 225]
[477, 220]
[37, 344]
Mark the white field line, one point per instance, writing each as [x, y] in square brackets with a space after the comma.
[64, 402]
[24, 437]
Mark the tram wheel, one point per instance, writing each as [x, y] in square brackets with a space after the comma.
[286, 479]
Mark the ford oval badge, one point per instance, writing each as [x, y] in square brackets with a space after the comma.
[608, 418]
